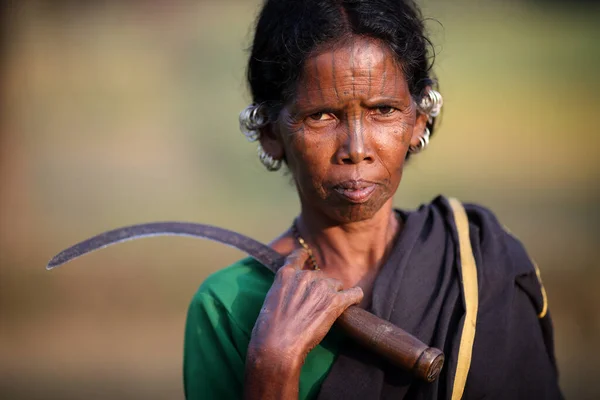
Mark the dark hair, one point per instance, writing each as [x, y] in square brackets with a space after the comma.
[287, 31]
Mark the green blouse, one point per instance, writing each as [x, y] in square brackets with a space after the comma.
[218, 329]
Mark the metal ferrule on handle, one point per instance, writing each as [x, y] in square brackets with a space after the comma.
[394, 344]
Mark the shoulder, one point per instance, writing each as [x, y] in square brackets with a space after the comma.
[481, 219]
[496, 241]
[237, 291]
[242, 276]
[502, 259]
[500, 251]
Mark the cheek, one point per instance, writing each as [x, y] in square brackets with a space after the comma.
[306, 153]
[303, 146]
[292, 136]
[391, 145]
[312, 155]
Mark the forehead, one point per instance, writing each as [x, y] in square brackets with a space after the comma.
[363, 63]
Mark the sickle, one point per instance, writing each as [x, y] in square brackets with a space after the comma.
[260, 252]
[380, 336]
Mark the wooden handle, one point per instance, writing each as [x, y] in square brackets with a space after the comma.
[397, 346]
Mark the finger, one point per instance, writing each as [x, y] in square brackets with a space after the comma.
[352, 296]
[297, 258]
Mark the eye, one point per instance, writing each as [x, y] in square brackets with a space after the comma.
[321, 116]
[385, 110]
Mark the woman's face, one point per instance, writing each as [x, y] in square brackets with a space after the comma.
[346, 132]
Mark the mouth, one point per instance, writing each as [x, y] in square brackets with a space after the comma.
[355, 191]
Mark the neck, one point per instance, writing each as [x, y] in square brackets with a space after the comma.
[350, 249]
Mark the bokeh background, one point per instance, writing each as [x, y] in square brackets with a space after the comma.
[116, 113]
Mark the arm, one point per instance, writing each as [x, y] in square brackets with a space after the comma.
[533, 344]
[213, 364]
[271, 376]
[531, 329]
[513, 353]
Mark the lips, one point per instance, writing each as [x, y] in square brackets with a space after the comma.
[355, 191]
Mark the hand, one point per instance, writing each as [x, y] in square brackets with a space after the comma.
[299, 310]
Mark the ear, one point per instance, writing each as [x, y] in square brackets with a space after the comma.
[270, 140]
[419, 128]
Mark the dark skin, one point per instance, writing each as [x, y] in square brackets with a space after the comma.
[345, 136]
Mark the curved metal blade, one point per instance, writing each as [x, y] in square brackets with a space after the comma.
[260, 252]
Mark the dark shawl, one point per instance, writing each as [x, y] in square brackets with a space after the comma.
[419, 289]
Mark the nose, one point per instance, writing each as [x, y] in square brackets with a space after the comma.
[356, 146]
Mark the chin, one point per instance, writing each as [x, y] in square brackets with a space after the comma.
[345, 213]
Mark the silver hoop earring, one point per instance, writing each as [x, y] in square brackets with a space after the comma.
[431, 104]
[251, 120]
[423, 142]
[268, 161]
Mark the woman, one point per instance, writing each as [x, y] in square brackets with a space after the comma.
[343, 96]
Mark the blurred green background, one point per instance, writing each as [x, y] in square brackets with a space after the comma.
[116, 113]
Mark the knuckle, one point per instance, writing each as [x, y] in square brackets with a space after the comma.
[357, 295]
[304, 279]
[286, 271]
[336, 301]
[321, 285]
[296, 255]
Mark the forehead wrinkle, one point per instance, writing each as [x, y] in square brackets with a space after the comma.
[362, 66]
[312, 84]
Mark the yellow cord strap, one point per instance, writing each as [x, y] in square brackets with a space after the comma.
[544, 311]
[471, 297]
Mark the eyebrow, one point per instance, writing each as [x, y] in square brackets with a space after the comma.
[313, 109]
[335, 107]
[380, 100]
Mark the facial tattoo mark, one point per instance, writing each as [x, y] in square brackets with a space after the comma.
[359, 135]
[355, 136]
[359, 129]
[318, 190]
[369, 67]
[337, 95]
[383, 77]
[318, 77]
[352, 68]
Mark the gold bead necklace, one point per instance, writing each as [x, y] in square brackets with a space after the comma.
[306, 247]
